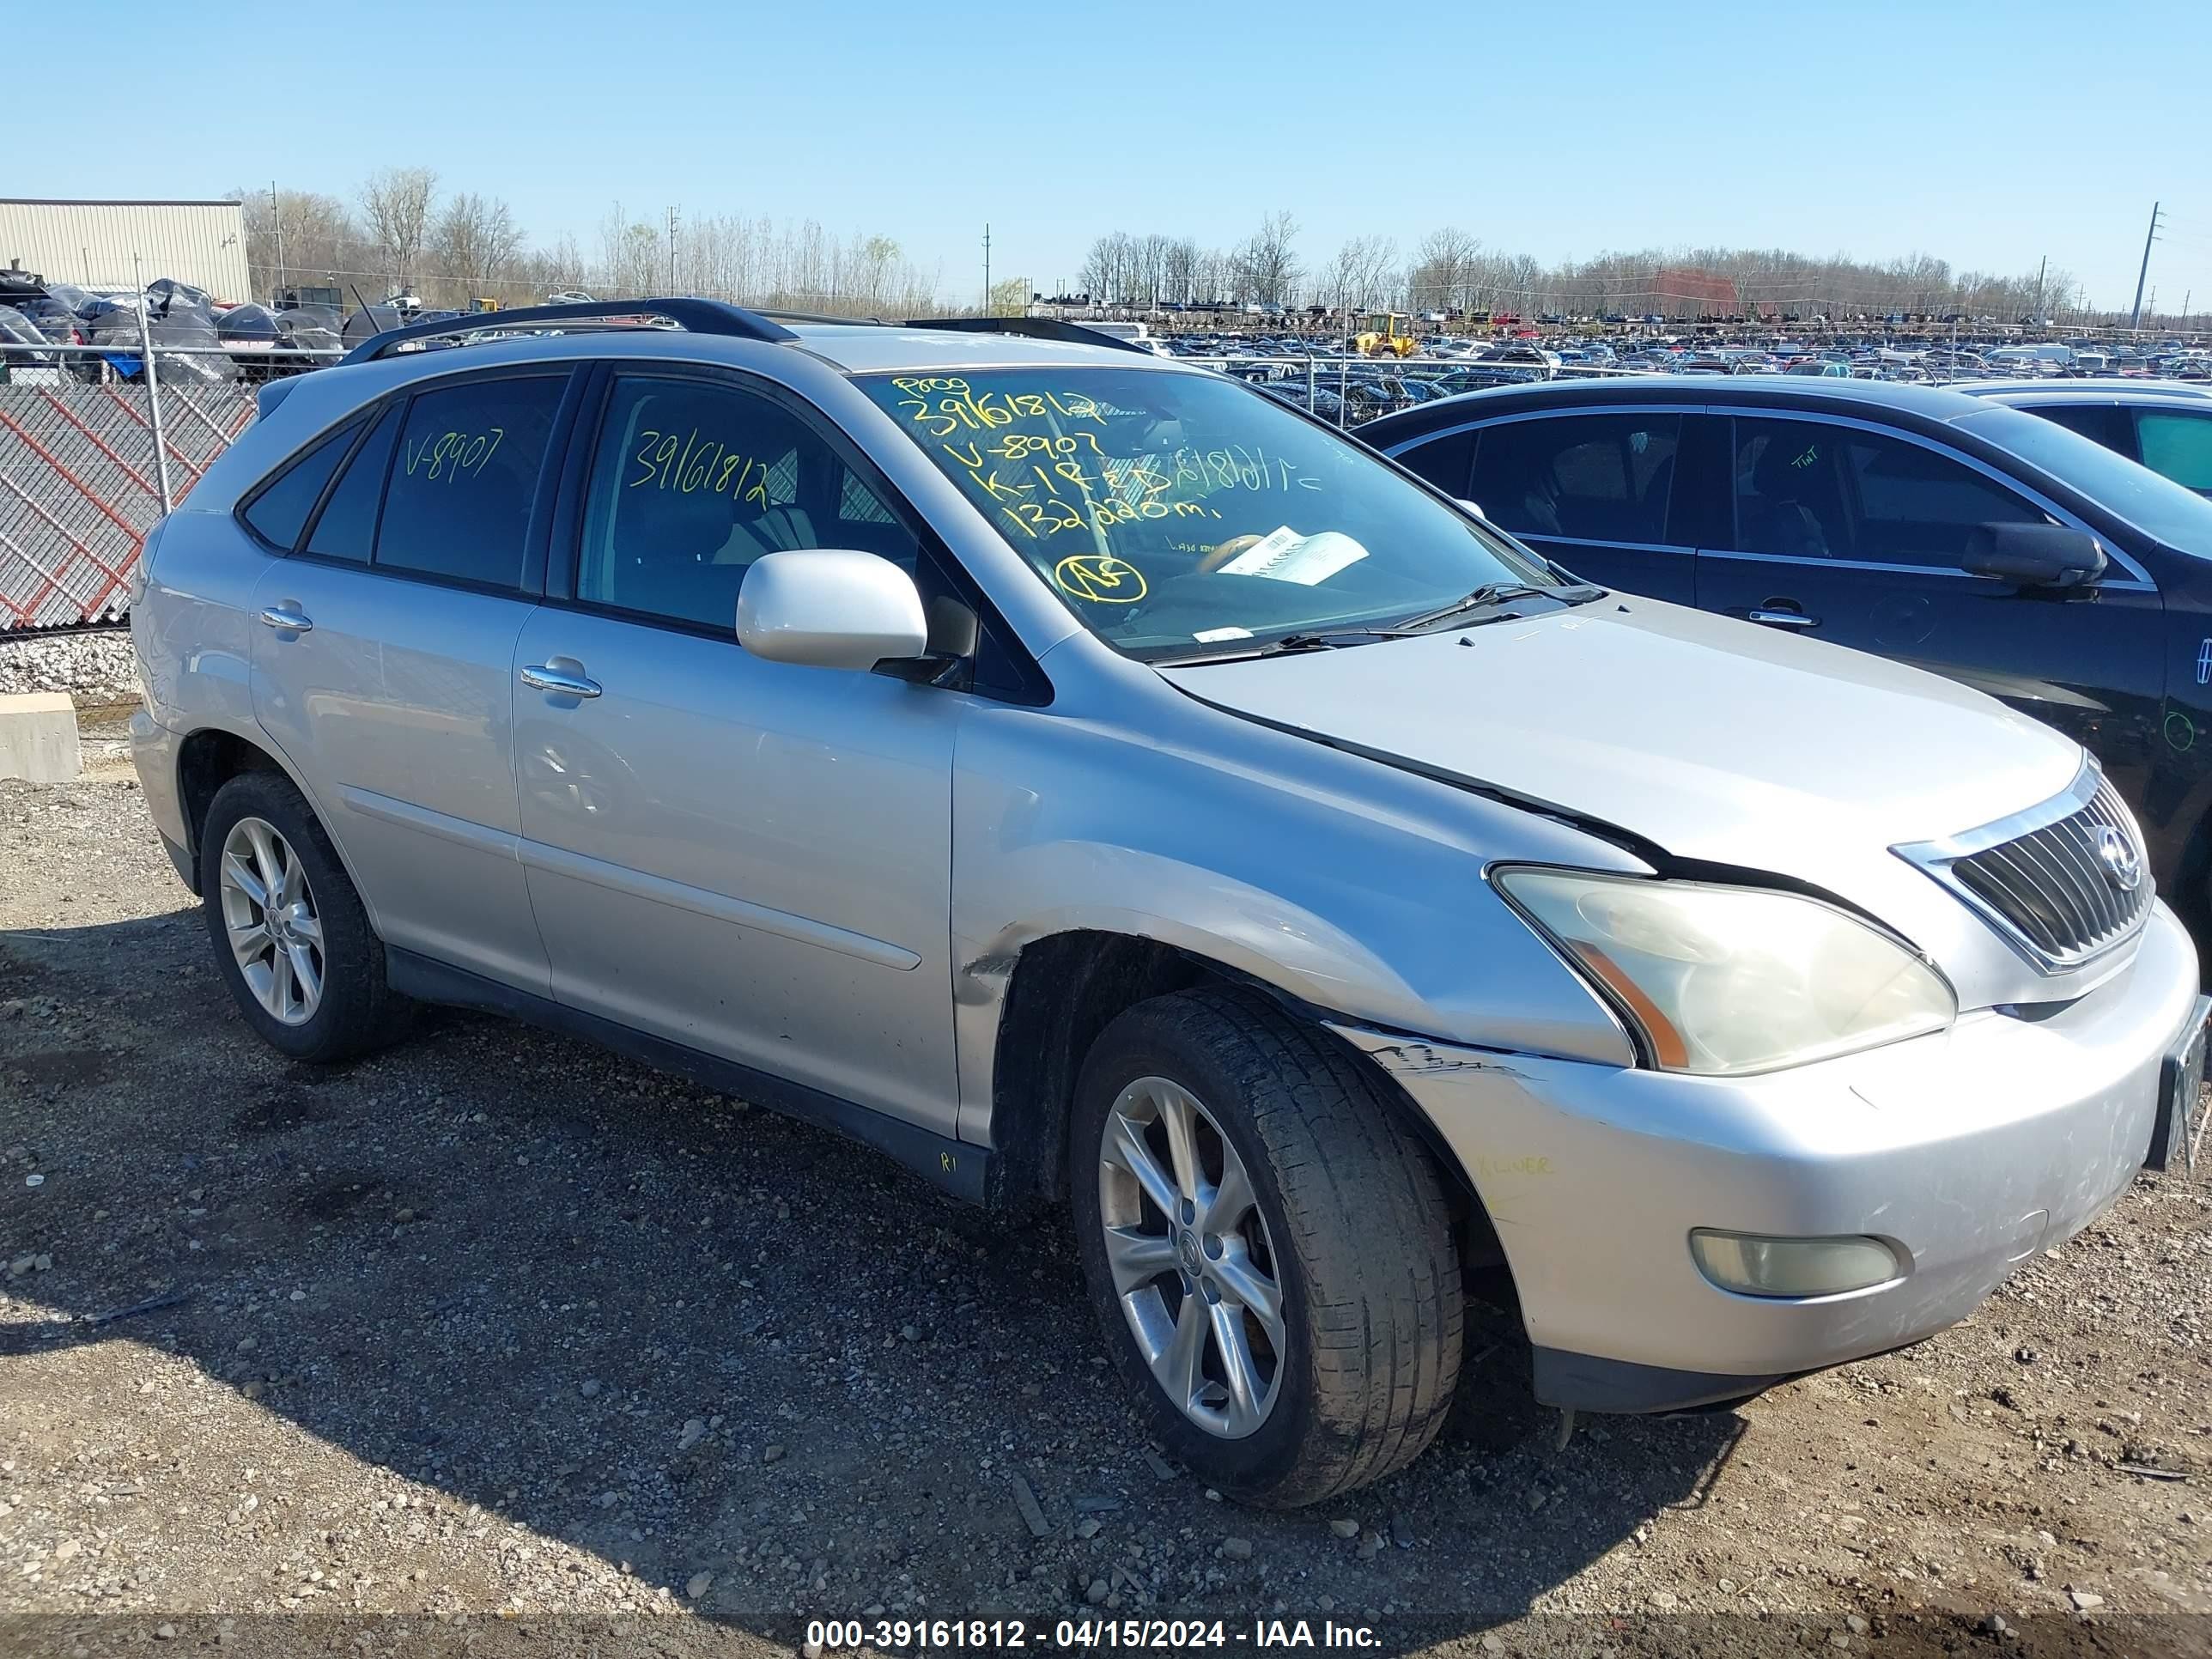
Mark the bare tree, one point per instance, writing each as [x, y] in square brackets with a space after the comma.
[471, 245]
[1268, 265]
[1361, 276]
[396, 201]
[1442, 277]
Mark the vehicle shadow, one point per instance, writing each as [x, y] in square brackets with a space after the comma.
[703, 1357]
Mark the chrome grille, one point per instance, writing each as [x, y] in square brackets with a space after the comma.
[2053, 879]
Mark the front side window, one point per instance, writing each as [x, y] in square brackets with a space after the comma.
[1812, 489]
[464, 479]
[1182, 513]
[1590, 477]
[694, 480]
[2139, 495]
[2177, 446]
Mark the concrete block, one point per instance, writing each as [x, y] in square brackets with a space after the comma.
[38, 738]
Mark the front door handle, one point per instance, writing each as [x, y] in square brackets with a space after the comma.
[290, 621]
[1783, 618]
[539, 677]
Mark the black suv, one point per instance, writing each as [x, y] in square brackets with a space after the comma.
[1940, 529]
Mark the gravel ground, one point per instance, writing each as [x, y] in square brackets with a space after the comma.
[94, 664]
[495, 1336]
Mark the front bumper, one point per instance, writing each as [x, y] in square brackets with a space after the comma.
[1966, 1152]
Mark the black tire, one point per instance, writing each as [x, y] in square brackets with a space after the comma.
[359, 1010]
[1360, 1230]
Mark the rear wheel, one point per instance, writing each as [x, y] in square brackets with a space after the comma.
[292, 939]
[1269, 1248]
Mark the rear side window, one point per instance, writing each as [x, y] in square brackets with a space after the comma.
[346, 528]
[2178, 445]
[1590, 477]
[465, 477]
[2102, 423]
[1445, 462]
[280, 512]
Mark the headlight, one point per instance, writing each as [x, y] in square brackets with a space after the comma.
[1723, 981]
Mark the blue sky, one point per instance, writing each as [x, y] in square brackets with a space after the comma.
[1988, 134]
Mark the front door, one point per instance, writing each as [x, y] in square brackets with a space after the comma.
[748, 858]
[383, 666]
[1854, 536]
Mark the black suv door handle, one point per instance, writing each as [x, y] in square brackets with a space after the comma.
[1782, 618]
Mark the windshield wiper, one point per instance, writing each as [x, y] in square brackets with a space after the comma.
[1496, 593]
[1324, 639]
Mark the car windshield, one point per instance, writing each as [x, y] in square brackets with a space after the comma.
[1182, 514]
[2178, 517]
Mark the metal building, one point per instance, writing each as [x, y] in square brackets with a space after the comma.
[93, 243]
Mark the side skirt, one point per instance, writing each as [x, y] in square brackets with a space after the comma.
[952, 1166]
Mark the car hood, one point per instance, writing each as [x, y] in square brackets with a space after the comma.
[1720, 741]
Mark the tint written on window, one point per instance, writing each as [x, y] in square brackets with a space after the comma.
[279, 512]
[346, 529]
[1590, 477]
[694, 481]
[464, 477]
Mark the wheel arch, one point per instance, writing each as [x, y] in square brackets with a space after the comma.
[208, 757]
[1062, 989]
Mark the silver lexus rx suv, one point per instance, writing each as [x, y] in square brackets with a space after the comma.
[1088, 778]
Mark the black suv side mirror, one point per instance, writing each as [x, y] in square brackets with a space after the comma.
[2034, 555]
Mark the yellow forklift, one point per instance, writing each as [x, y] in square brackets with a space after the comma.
[1389, 340]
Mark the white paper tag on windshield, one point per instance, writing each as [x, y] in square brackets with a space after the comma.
[1215, 635]
[1286, 556]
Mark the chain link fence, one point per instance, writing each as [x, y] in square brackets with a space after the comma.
[82, 479]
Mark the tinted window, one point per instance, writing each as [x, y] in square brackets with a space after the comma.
[693, 481]
[464, 477]
[346, 528]
[1445, 462]
[2177, 445]
[1594, 477]
[279, 512]
[2102, 423]
[1809, 489]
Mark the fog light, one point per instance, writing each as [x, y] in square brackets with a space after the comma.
[1752, 1266]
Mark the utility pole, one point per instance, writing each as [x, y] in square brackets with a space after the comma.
[2149, 237]
[2037, 315]
[671, 251]
[277, 218]
[987, 270]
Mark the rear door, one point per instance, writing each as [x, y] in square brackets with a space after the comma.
[1591, 491]
[1843, 531]
[384, 660]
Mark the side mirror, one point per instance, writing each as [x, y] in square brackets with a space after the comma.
[2034, 555]
[830, 609]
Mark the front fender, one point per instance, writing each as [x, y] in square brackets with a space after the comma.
[1345, 885]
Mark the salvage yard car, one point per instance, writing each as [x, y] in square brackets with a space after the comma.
[1943, 530]
[1086, 778]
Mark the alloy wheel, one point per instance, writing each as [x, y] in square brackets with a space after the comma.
[269, 915]
[1194, 1267]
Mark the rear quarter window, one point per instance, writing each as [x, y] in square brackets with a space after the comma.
[278, 511]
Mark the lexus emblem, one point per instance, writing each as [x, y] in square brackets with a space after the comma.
[2123, 865]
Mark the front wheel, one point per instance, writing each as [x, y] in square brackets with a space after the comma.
[1268, 1246]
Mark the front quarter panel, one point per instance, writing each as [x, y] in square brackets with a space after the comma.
[1343, 884]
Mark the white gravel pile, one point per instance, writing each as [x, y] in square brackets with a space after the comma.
[93, 665]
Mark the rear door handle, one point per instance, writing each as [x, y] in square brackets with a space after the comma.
[291, 621]
[1783, 618]
[540, 678]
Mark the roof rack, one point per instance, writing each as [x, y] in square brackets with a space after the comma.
[1034, 328]
[695, 317]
